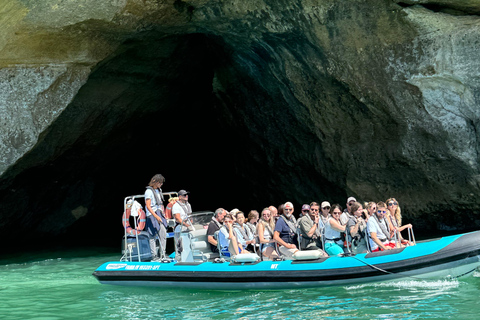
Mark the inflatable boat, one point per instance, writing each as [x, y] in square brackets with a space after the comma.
[447, 257]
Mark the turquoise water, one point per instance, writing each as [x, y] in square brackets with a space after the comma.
[59, 285]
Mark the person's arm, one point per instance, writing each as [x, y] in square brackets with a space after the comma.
[310, 232]
[354, 229]
[261, 230]
[276, 237]
[375, 239]
[212, 241]
[409, 226]
[241, 241]
[148, 204]
[336, 226]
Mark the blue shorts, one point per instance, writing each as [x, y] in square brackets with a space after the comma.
[333, 249]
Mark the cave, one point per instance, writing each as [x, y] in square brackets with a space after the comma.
[243, 106]
[178, 105]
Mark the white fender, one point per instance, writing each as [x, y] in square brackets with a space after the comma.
[307, 255]
[245, 257]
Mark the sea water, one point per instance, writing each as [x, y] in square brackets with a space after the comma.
[59, 285]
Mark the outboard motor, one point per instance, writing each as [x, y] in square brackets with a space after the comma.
[135, 245]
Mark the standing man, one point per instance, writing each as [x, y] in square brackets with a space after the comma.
[180, 211]
[285, 233]
[156, 221]
[214, 226]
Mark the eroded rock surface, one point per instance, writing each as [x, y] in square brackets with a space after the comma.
[245, 103]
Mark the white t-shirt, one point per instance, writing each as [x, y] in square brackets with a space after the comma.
[183, 215]
[372, 226]
[153, 202]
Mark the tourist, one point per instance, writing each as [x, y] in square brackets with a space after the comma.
[180, 211]
[227, 238]
[265, 228]
[371, 209]
[347, 213]
[156, 221]
[244, 235]
[378, 230]
[274, 212]
[333, 230]
[214, 226]
[325, 213]
[394, 215]
[252, 220]
[311, 230]
[356, 227]
[305, 211]
[279, 212]
[285, 233]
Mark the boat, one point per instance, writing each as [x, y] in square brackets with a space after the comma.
[443, 258]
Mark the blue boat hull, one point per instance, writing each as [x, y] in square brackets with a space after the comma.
[452, 256]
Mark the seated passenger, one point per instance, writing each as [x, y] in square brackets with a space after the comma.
[285, 233]
[378, 230]
[275, 211]
[325, 212]
[357, 228]
[310, 227]
[371, 209]
[244, 235]
[214, 226]
[333, 232]
[227, 238]
[265, 228]
[394, 215]
[252, 220]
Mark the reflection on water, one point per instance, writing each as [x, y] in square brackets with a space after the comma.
[60, 286]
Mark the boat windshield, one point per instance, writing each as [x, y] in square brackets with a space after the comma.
[202, 218]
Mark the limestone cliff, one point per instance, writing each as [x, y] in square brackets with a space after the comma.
[246, 103]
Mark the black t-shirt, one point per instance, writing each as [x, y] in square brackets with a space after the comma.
[212, 228]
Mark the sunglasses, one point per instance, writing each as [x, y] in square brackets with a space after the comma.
[326, 208]
[350, 204]
[288, 209]
[393, 203]
[305, 210]
[336, 212]
[314, 210]
[382, 211]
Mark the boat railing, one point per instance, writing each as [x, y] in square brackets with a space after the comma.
[127, 204]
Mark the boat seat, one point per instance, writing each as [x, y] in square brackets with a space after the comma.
[200, 246]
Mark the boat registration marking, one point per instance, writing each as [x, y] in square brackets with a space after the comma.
[274, 266]
[142, 267]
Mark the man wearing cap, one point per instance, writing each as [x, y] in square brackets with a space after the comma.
[325, 212]
[311, 229]
[285, 233]
[347, 213]
[305, 211]
[180, 210]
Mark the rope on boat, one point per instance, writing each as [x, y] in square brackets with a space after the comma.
[385, 271]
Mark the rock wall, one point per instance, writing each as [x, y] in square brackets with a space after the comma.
[278, 100]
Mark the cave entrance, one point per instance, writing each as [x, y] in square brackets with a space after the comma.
[174, 125]
[150, 108]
